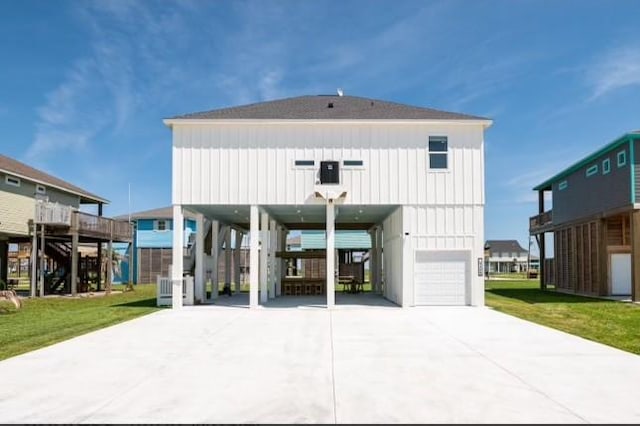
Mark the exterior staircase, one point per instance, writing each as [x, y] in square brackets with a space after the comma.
[60, 252]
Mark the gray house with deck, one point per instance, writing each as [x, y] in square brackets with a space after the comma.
[595, 222]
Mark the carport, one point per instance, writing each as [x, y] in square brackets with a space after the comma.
[267, 227]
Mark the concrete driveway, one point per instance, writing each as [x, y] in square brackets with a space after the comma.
[374, 364]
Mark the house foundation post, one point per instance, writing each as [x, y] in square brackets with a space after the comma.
[177, 267]
[200, 285]
[74, 264]
[253, 257]
[331, 259]
[215, 246]
[236, 261]
[34, 260]
[272, 258]
[42, 245]
[264, 252]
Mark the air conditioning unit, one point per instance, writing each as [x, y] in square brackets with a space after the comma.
[329, 172]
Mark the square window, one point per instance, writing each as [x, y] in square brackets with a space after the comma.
[592, 170]
[606, 166]
[437, 144]
[438, 152]
[437, 161]
[161, 225]
[563, 185]
[41, 189]
[622, 158]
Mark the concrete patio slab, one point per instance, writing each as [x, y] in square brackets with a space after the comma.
[297, 364]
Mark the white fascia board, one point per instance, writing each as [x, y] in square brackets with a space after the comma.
[171, 121]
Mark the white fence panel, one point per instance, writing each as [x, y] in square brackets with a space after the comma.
[165, 291]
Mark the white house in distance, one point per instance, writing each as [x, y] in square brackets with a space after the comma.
[412, 177]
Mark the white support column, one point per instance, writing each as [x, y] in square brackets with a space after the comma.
[253, 258]
[215, 244]
[281, 269]
[177, 266]
[272, 258]
[34, 260]
[264, 251]
[372, 261]
[227, 260]
[42, 244]
[236, 260]
[379, 261]
[331, 259]
[200, 285]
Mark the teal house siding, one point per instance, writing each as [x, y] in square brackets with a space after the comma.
[355, 240]
[147, 237]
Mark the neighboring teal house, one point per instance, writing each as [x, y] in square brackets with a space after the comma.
[152, 242]
[345, 240]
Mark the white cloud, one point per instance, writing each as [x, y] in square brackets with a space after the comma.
[521, 185]
[617, 69]
[102, 90]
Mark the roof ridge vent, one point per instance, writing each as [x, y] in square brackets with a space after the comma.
[330, 105]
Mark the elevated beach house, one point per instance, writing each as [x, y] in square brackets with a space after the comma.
[43, 211]
[594, 223]
[411, 177]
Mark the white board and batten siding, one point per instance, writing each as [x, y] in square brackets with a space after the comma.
[432, 255]
[252, 162]
[439, 221]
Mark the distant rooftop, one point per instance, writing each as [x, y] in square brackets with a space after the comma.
[328, 107]
[505, 246]
[159, 213]
[21, 170]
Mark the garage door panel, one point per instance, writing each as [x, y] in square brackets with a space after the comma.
[440, 278]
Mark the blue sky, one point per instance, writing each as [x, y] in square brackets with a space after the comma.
[84, 85]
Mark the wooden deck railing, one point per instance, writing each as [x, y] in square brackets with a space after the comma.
[53, 214]
[536, 223]
[84, 224]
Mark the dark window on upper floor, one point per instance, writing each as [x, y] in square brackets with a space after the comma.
[438, 152]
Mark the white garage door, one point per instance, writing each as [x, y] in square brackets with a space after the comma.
[440, 277]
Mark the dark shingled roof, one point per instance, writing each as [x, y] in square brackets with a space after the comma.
[505, 246]
[15, 167]
[160, 213]
[328, 107]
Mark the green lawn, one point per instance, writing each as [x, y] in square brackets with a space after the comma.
[613, 323]
[42, 322]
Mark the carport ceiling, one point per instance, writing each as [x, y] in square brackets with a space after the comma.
[302, 216]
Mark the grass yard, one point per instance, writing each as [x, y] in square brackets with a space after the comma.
[42, 322]
[615, 324]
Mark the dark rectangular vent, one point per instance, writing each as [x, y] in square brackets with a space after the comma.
[329, 172]
[353, 163]
[306, 163]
